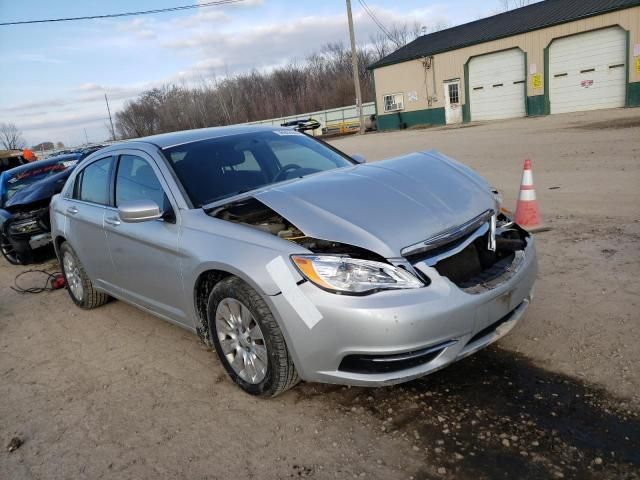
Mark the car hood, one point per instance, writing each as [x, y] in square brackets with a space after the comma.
[385, 206]
[38, 191]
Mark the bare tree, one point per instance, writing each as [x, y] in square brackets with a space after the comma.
[11, 136]
[59, 145]
[438, 26]
[321, 81]
[507, 5]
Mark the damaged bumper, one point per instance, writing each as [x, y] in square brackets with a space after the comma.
[396, 336]
[27, 231]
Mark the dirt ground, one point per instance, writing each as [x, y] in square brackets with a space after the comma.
[117, 393]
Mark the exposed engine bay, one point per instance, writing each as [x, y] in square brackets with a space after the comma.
[253, 213]
[475, 262]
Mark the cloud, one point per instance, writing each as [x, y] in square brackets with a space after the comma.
[204, 18]
[90, 87]
[21, 107]
[209, 42]
[37, 58]
[229, 51]
[140, 27]
[62, 121]
[84, 93]
[114, 93]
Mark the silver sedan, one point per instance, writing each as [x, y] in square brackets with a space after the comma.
[294, 260]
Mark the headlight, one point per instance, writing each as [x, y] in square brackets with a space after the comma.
[25, 226]
[353, 276]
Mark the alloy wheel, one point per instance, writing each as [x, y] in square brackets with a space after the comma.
[8, 251]
[241, 340]
[72, 273]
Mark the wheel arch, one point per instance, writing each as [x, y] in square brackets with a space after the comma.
[204, 284]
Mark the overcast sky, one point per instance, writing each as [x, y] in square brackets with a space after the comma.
[54, 75]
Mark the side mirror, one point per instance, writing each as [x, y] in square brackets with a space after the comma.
[137, 211]
[359, 158]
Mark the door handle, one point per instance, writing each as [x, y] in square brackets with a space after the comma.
[72, 210]
[113, 221]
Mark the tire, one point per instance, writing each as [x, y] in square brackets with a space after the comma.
[77, 282]
[8, 252]
[279, 374]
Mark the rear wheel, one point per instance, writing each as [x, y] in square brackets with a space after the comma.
[248, 340]
[7, 250]
[78, 283]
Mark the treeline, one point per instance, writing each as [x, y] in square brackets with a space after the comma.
[323, 80]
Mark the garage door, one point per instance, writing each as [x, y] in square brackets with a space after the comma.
[588, 71]
[496, 84]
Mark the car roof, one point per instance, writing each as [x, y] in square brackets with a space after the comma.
[165, 140]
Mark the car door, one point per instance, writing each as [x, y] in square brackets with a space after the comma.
[145, 255]
[85, 211]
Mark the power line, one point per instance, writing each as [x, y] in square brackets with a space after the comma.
[125, 14]
[377, 21]
[374, 18]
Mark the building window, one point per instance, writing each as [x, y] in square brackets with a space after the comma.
[393, 102]
[454, 93]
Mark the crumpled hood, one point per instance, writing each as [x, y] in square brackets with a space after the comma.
[383, 206]
[39, 191]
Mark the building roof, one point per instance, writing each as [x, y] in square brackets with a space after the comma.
[533, 17]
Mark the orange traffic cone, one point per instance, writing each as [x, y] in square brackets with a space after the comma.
[527, 210]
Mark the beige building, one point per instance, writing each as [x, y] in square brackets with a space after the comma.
[550, 57]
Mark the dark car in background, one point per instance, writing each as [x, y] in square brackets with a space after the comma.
[25, 194]
[81, 152]
[11, 159]
[85, 152]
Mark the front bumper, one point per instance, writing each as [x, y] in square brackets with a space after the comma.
[24, 243]
[440, 318]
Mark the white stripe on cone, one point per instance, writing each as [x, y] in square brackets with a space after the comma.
[527, 195]
[527, 178]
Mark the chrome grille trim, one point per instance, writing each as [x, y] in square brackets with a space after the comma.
[448, 236]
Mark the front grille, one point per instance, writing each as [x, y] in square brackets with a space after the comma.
[391, 363]
[470, 264]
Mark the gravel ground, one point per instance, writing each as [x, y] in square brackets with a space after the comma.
[117, 393]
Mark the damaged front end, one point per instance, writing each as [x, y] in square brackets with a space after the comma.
[253, 213]
[478, 256]
[23, 230]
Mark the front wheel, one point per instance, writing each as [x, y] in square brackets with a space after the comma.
[248, 340]
[8, 252]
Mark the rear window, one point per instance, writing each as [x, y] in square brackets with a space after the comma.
[219, 168]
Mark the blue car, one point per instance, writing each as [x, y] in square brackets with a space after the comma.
[25, 193]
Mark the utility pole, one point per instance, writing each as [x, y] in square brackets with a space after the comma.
[113, 132]
[354, 63]
[86, 137]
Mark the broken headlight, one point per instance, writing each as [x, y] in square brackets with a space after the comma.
[497, 196]
[24, 226]
[353, 276]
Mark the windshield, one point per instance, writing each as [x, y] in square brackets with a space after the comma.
[11, 182]
[222, 167]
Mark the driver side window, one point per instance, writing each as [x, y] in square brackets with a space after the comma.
[136, 180]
